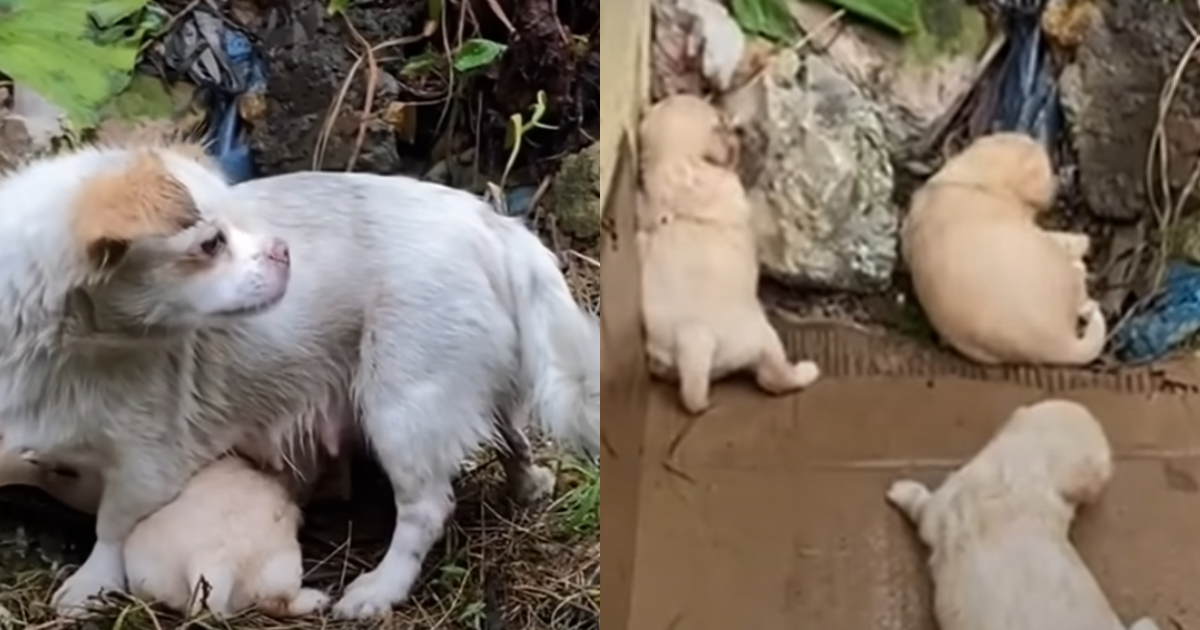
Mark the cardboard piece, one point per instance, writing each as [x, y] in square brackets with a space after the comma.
[769, 513]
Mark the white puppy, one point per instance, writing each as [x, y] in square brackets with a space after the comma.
[228, 543]
[700, 302]
[998, 527]
[156, 316]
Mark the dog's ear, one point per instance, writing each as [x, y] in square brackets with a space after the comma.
[140, 200]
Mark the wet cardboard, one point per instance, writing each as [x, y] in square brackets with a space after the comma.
[769, 513]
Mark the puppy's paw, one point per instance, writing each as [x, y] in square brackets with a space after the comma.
[308, 601]
[1144, 623]
[909, 496]
[368, 597]
[805, 373]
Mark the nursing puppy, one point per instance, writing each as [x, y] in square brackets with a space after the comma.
[998, 528]
[157, 317]
[700, 303]
[994, 285]
[233, 528]
[228, 543]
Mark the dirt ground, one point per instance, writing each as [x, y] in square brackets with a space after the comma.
[498, 567]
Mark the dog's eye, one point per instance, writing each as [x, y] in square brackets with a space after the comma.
[214, 244]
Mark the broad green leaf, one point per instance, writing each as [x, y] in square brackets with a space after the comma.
[337, 7]
[769, 18]
[54, 47]
[145, 98]
[477, 53]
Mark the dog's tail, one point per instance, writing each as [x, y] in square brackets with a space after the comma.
[559, 343]
[1081, 350]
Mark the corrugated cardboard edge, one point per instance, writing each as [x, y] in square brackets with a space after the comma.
[624, 76]
[843, 352]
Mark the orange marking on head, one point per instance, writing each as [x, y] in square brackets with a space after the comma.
[141, 200]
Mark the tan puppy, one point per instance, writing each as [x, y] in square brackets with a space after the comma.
[699, 265]
[994, 285]
[997, 528]
[232, 529]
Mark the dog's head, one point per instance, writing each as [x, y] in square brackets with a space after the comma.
[159, 236]
[1011, 165]
[1064, 441]
[684, 126]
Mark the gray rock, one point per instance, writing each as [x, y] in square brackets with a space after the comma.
[819, 173]
[1111, 94]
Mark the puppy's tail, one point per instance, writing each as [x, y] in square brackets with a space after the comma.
[559, 343]
[1088, 348]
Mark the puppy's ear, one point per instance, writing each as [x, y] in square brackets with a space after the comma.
[141, 199]
[723, 147]
[1084, 481]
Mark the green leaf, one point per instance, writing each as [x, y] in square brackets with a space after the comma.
[145, 98]
[769, 18]
[477, 53]
[899, 16]
[62, 50]
[435, 9]
[420, 64]
[337, 7]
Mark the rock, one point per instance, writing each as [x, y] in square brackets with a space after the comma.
[819, 173]
[918, 82]
[577, 195]
[1111, 94]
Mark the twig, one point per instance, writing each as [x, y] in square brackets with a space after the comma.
[368, 98]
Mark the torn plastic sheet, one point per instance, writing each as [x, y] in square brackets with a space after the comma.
[1171, 318]
[1027, 99]
[224, 62]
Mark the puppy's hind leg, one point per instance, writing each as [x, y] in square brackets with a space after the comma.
[1145, 623]
[694, 350]
[775, 374]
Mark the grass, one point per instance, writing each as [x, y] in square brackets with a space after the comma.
[498, 566]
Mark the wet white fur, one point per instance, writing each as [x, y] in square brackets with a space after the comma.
[416, 303]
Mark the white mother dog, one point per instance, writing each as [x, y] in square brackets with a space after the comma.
[155, 317]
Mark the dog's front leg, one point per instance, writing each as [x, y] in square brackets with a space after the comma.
[133, 490]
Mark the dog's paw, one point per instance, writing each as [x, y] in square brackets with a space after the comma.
[75, 598]
[534, 485]
[367, 597]
[1144, 623]
[908, 495]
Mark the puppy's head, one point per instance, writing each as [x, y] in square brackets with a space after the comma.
[1011, 165]
[1065, 442]
[685, 126]
[159, 234]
